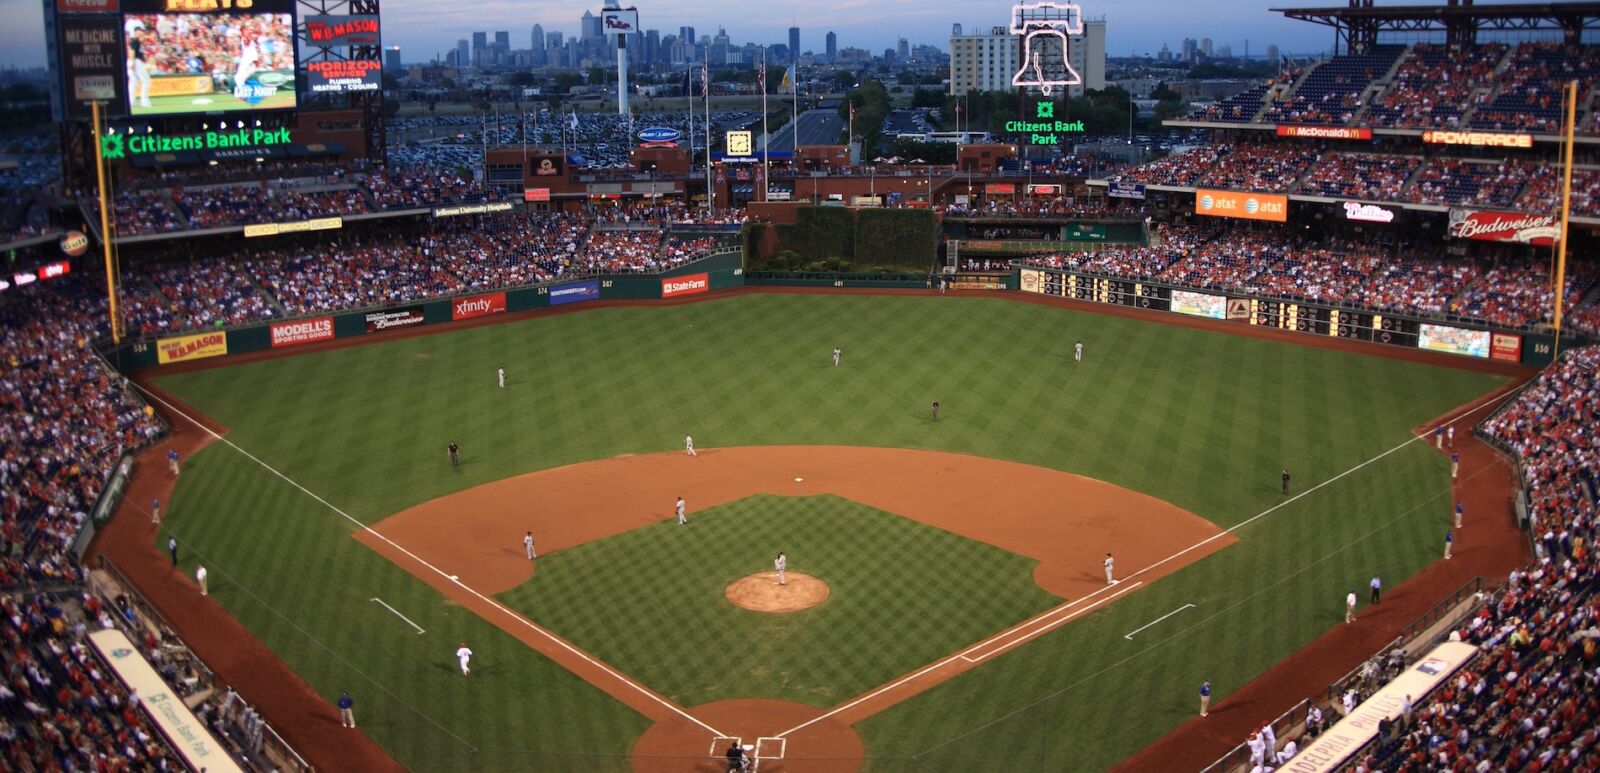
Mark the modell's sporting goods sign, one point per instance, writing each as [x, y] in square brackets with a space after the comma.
[1503, 227]
[303, 331]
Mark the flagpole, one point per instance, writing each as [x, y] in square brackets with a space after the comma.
[766, 139]
[705, 89]
[688, 80]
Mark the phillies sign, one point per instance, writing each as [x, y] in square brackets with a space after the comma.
[1516, 227]
[478, 306]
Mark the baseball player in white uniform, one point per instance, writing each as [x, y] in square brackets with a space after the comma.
[1350, 607]
[527, 544]
[681, 519]
[1450, 435]
[836, 355]
[688, 445]
[781, 563]
[200, 579]
[1110, 570]
[1077, 351]
[500, 373]
[462, 656]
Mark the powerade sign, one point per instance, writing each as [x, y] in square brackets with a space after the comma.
[116, 146]
[575, 293]
[659, 135]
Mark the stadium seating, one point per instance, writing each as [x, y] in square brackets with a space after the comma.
[1527, 93]
[1372, 176]
[1273, 168]
[1434, 86]
[1330, 93]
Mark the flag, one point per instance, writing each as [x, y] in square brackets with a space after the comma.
[705, 77]
[573, 120]
[761, 78]
[788, 79]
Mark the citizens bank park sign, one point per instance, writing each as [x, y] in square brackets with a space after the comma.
[1540, 230]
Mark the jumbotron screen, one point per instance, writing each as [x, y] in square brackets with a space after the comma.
[208, 56]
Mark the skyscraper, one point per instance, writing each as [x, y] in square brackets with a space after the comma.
[587, 28]
[833, 47]
[463, 57]
[480, 46]
[794, 44]
[391, 59]
[902, 49]
[538, 39]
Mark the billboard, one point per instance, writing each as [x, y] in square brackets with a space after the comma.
[1454, 340]
[378, 321]
[91, 63]
[575, 293]
[86, 6]
[1503, 227]
[1325, 132]
[1486, 139]
[1125, 190]
[200, 56]
[302, 331]
[619, 22]
[487, 208]
[343, 76]
[1506, 346]
[478, 306]
[691, 284]
[1247, 206]
[191, 347]
[1200, 304]
[1367, 213]
[339, 31]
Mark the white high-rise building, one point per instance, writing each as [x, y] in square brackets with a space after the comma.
[986, 61]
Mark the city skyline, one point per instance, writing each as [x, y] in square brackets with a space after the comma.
[424, 29]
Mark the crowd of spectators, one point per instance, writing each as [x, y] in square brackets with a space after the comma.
[1518, 292]
[621, 251]
[1273, 168]
[1435, 85]
[304, 205]
[225, 205]
[1371, 176]
[1528, 91]
[142, 211]
[176, 295]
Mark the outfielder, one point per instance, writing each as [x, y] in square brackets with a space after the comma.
[781, 563]
[681, 519]
[1077, 351]
[462, 656]
[836, 355]
[688, 445]
[501, 374]
[527, 545]
[1110, 572]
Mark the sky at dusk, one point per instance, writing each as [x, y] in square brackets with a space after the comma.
[423, 28]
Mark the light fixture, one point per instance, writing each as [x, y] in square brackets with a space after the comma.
[205, 127]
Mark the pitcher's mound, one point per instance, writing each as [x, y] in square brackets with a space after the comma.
[762, 593]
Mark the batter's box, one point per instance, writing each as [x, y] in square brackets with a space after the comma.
[719, 745]
[770, 748]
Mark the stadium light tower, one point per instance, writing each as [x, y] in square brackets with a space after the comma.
[621, 22]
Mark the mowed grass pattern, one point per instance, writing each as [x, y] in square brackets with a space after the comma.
[915, 592]
[1203, 420]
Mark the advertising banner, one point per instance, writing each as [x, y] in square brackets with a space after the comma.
[1454, 340]
[692, 284]
[478, 306]
[1516, 227]
[619, 22]
[576, 293]
[1367, 213]
[1349, 735]
[1006, 189]
[187, 734]
[278, 229]
[1247, 206]
[302, 331]
[379, 321]
[1200, 304]
[336, 31]
[1125, 190]
[1506, 346]
[1032, 280]
[91, 63]
[86, 6]
[534, 194]
[474, 209]
[1326, 132]
[343, 76]
[1487, 139]
[548, 166]
[191, 347]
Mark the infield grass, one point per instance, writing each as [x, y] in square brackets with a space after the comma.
[1201, 419]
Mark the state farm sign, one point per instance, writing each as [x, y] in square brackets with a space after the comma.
[302, 331]
[685, 285]
[478, 306]
[1516, 227]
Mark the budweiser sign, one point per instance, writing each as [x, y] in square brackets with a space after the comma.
[1503, 227]
[478, 306]
[685, 285]
[1371, 213]
[302, 331]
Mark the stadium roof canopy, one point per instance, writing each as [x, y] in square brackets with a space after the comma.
[1359, 23]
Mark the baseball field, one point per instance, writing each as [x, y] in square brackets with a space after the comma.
[966, 612]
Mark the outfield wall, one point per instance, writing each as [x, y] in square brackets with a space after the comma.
[1454, 337]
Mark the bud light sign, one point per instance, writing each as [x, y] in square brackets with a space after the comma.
[659, 135]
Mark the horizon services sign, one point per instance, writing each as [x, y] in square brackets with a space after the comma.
[191, 347]
[1325, 132]
[302, 331]
[1539, 230]
[1246, 206]
[1486, 139]
[692, 284]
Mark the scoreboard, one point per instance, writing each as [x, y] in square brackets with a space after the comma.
[1342, 323]
[1117, 292]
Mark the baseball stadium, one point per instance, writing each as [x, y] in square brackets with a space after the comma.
[712, 422]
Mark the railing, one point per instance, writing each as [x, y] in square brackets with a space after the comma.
[1283, 726]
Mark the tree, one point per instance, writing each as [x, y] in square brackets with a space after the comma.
[597, 76]
[521, 80]
[928, 98]
[844, 80]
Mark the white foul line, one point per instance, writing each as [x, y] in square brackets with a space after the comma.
[1044, 628]
[1129, 635]
[436, 570]
[397, 614]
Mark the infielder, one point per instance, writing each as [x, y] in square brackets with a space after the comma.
[172, 460]
[1455, 465]
[681, 519]
[500, 373]
[462, 656]
[155, 511]
[935, 410]
[781, 563]
[688, 445]
[200, 579]
[1350, 607]
[1077, 351]
[836, 355]
[1449, 540]
[527, 545]
[1458, 515]
[1110, 572]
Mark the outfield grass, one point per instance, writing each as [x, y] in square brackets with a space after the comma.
[916, 593]
[1203, 420]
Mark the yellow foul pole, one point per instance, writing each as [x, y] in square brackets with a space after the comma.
[1566, 207]
[105, 225]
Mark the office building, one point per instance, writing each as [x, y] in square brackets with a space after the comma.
[833, 47]
[986, 61]
[391, 60]
[794, 44]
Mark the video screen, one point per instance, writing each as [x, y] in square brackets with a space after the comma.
[1200, 304]
[1455, 340]
[208, 63]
